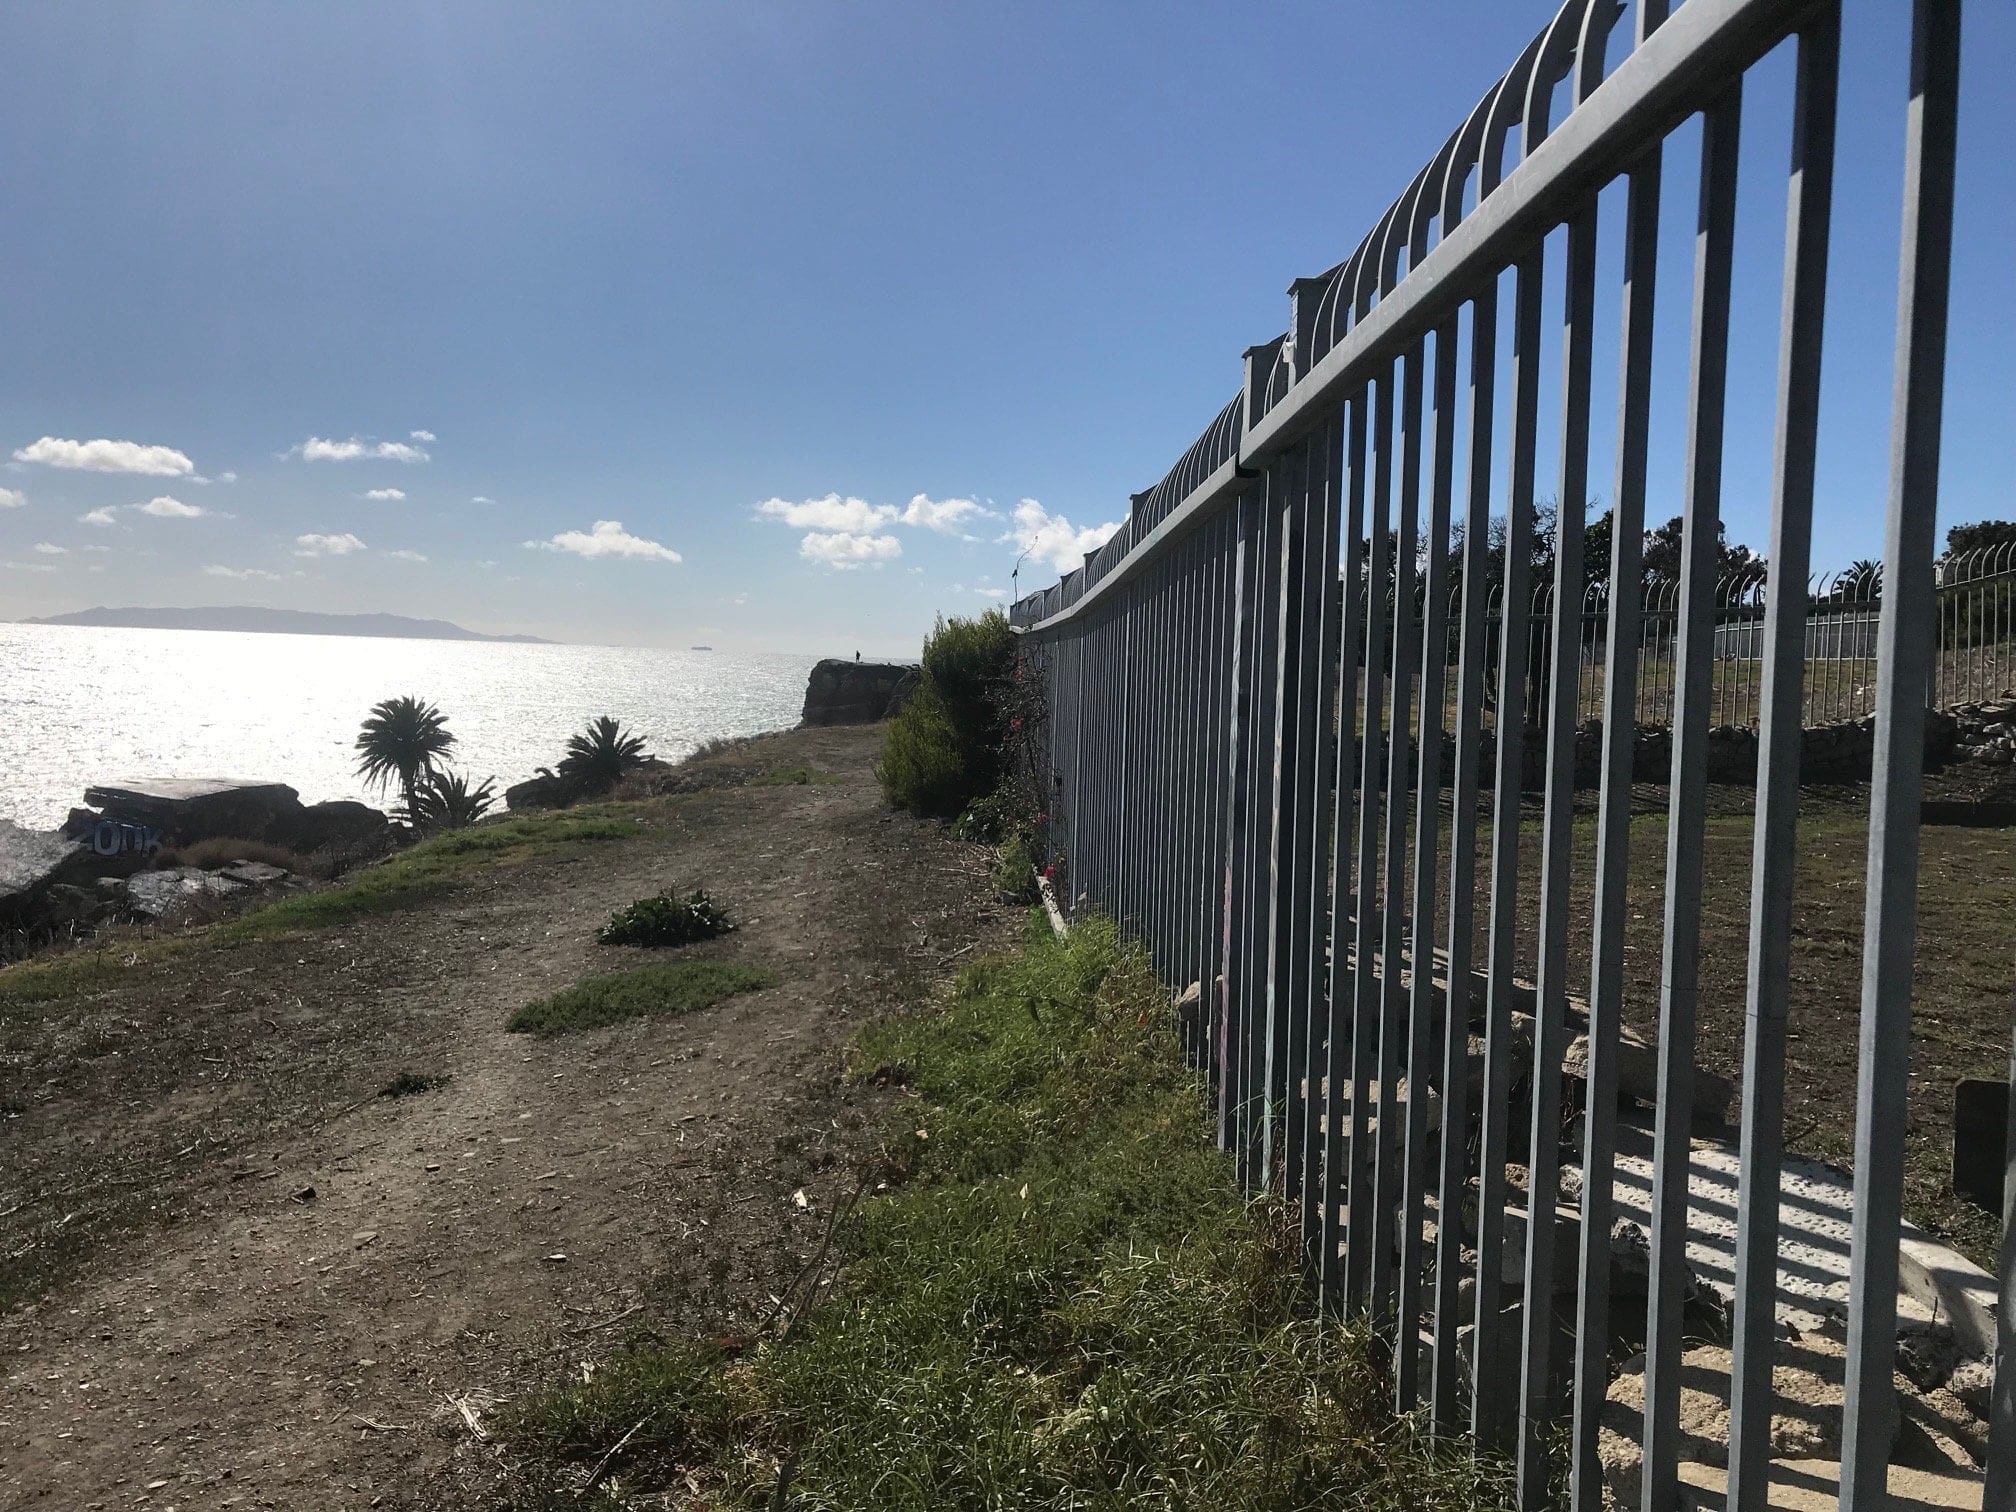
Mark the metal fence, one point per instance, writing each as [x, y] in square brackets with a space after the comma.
[1973, 649]
[1225, 786]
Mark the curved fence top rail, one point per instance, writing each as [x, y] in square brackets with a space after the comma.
[1503, 177]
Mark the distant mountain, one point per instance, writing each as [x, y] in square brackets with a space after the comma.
[280, 622]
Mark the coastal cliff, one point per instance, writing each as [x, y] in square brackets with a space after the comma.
[856, 692]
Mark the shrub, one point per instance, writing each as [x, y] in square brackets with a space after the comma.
[944, 748]
[1015, 868]
[602, 755]
[666, 920]
[445, 801]
[921, 768]
[987, 820]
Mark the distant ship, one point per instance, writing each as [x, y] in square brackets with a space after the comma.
[703, 648]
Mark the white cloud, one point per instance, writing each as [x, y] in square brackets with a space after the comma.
[607, 538]
[49, 548]
[316, 449]
[406, 556]
[227, 477]
[481, 499]
[830, 513]
[108, 456]
[992, 593]
[846, 549]
[27, 566]
[12, 498]
[945, 515]
[164, 508]
[242, 572]
[422, 435]
[326, 545]
[394, 494]
[96, 517]
[1051, 538]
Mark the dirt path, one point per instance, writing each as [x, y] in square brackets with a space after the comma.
[232, 1343]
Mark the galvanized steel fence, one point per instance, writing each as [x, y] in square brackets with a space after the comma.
[1233, 737]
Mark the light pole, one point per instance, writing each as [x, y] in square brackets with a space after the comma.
[1015, 576]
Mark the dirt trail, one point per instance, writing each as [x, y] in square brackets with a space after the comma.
[242, 1346]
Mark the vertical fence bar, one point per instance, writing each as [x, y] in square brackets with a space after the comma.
[1326, 469]
[1808, 208]
[1394, 945]
[2000, 1490]
[1688, 801]
[1613, 830]
[1264, 774]
[1448, 1384]
[1365, 992]
[1340, 1038]
[1238, 738]
[1427, 857]
[1219, 724]
[1491, 1389]
[1904, 657]
[1538, 1410]
[1286, 476]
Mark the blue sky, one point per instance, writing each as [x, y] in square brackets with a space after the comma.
[889, 270]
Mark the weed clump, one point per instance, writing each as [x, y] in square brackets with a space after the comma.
[682, 987]
[411, 1083]
[666, 919]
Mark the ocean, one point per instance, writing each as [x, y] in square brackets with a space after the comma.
[82, 705]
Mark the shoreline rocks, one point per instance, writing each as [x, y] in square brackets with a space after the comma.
[105, 863]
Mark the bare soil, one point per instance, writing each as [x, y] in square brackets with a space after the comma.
[235, 1276]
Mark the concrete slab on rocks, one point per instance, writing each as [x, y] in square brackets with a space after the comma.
[1816, 1210]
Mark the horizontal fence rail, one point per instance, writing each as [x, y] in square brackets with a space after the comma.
[1298, 703]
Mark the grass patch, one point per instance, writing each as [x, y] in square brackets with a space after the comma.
[797, 776]
[681, 987]
[430, 868]
[89, 967]
[410, 1083]
[665, 920]
[1068, 1305]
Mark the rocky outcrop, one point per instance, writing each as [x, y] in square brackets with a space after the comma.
[854, 692]
[31, 863]
[134, 818]
[185, 809]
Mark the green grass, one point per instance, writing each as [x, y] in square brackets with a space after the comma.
[681, 987]
[430, 868]
[98, 964]
[1067, 1304]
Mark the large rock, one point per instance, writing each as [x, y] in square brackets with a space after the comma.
[187, 809]
[341, 824]
[130, 820]
[856, 692]
[30, 863]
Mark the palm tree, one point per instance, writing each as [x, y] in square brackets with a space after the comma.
[602, 755]
[402, 740]
[442, 800]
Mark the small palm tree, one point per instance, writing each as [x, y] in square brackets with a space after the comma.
[403, 740]
[602, 755]
[444, 801]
